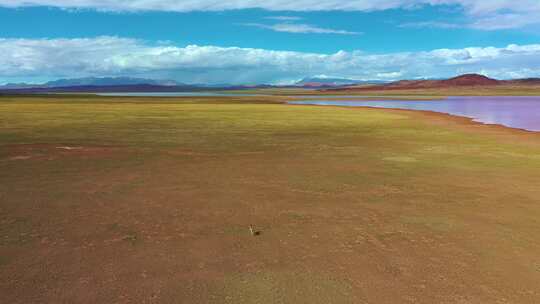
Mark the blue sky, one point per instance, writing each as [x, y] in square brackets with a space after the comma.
[281, 41]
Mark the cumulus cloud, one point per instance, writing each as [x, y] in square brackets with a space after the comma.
[300, 28]
[430, 24]
[485, 14]
[115, 56]
[284, 18]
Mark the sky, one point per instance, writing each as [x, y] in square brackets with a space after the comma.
[271, 41]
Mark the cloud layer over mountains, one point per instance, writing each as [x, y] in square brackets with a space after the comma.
[46, 59]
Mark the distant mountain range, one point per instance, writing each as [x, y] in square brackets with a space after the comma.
[137, 84]
[93, 81]
[128, 84]
[110, 81]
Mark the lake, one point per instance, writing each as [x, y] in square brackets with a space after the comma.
[522, 112]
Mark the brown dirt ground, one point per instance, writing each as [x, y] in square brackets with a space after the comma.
[171, 226]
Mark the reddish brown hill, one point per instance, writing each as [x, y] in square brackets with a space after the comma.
[469, 80]
[459, 81]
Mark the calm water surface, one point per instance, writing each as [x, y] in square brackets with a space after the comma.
[515, 112]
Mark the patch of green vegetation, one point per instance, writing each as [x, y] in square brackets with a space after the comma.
[4, 260]
[297, 216]
[127, 235]
[16, 231]
[400, 159]
[131, 237]
[235, 230]
[439, 224]
[284, 287]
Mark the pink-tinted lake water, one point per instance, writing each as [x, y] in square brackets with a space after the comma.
[522, 112]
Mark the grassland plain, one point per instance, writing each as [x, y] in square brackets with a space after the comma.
[138, 200]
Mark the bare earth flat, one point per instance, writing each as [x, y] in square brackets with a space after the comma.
[134, 200]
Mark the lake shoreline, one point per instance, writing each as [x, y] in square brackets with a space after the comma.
[440, 118]
[520, 114]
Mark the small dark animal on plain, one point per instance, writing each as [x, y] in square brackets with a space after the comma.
[253, 231]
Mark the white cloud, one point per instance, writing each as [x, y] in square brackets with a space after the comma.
[28, 59]
[284, 18]
[389, 75]
[483, 14]
[502, 21]
[213, 5]
[300, 28]
[430, 24]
